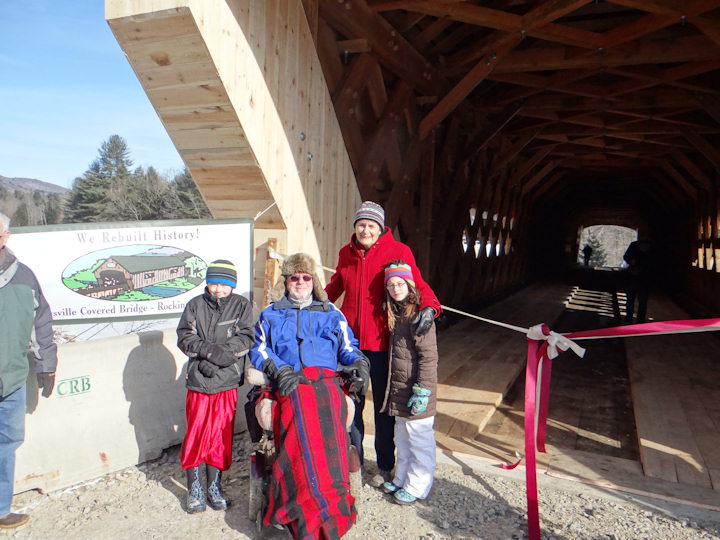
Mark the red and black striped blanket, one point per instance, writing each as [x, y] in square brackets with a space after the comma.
[309, 487]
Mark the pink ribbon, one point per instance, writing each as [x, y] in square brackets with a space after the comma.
[543, 345]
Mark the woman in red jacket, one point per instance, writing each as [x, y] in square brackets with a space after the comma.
[360, 275]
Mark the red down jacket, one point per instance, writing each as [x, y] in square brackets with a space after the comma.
[361, 277]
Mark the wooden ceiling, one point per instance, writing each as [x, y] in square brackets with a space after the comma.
[561, 89]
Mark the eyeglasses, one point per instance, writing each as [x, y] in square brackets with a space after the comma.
[304, 277]
[400, 285]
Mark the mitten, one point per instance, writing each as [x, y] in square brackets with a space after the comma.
[221, 356]
[419, 400]
[46, 381]
[288, 380]
[205, 349]
[270, 369]
[358, 374]
[207, 368]
[424, 321]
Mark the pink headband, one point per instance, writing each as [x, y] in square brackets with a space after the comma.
[400, 270]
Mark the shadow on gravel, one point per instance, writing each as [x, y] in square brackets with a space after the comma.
[460, 512]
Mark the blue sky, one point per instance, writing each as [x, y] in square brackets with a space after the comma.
[65, 88]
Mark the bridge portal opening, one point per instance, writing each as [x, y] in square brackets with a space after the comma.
[608, 244]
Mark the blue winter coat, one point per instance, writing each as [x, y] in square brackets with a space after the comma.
[316, 335]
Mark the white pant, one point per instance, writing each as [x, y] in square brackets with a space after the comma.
[415, 443]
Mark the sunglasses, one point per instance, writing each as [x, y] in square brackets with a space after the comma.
[304, 277]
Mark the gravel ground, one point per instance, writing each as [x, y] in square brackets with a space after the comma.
[470, 500]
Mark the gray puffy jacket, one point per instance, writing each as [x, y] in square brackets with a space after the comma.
[226, 321]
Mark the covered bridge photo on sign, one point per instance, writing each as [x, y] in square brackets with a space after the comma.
[138, 271]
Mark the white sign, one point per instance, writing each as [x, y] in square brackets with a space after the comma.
[131, 270]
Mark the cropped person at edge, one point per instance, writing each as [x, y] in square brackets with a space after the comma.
[26, 322]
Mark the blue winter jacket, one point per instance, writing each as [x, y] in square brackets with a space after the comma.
[316, 335]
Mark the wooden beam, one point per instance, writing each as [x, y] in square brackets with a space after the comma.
[547, 12]
[528, 165]
[548, 184]
[349, 46]
[327, 50]
[681, 181]
[640, 79]
[710, 105]
[710, 29]
[430, 32]
[538, 176]
[356, 20]
[686, 49]
[509, 156]
[676, 8]
[460, 91]
[536, 23]
[695, 171]
[311, 13]
[345, 102]
[384, 135]
[658, 18]
[705, 148]
[491, 129]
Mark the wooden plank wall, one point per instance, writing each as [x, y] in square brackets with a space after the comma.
[239, 88]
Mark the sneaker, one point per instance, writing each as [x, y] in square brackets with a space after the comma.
[380, 478]
[403, 497]
[13, 520]
[389, 487]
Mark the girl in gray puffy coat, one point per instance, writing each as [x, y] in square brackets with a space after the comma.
[410, 395]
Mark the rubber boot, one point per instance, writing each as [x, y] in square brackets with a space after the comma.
[196, 493]
[215, 498]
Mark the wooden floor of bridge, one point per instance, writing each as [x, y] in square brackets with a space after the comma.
[640, 414]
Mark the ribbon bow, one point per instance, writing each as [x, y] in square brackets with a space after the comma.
[556, 343]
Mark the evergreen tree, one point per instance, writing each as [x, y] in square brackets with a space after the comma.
[88, 199]
[114, 160]
[190, 201]
[598, 251]
[21, 217]
[109, 191]
[53, 209]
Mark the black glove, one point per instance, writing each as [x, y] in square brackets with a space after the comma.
[288, 380]
[269, 369]
[46, 381]
[205, 349]
[207, 368]
[358, 375]
[424, 320]
[221, 356]
[217, 354]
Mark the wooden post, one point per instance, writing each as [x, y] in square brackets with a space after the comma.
[272, 271]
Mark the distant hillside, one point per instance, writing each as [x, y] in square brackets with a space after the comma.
[31, 202]
[30, 184]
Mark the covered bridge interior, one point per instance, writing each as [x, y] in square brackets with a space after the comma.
[491, 132]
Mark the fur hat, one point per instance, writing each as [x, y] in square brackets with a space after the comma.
[298, 262]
